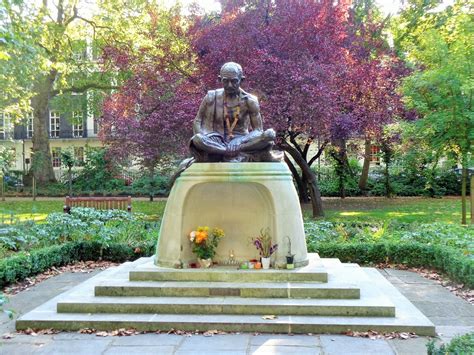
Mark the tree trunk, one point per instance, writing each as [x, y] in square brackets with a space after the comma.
[364, 176]
[69, 177]
[472, 199]
[316, 201]
[302, 187]
[151, 171]
[463, 194]
[387, 159]
[342, 164]
[42, 164]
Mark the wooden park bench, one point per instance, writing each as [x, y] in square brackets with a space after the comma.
[100, 203]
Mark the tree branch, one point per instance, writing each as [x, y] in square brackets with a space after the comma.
[84, 88]
[318, 154]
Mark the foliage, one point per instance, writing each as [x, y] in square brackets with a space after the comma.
[99, 173]
[158, 185]
[461, 344]
[204, 244]
[264, 243]
[83, 224]
[6, 159]
[3, 301]
[458, 237]
[22, 265]
[58, 38]
[448, 248]
[441, 87]
[149, 118]
[316, 81]
[446, 260]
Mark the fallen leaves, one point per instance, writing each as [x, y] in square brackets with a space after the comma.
[81, 266]
[371, 334]
[36, 332]
[269, 317]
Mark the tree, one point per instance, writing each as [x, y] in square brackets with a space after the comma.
[150, 117]
[50, 35]
[441, 87]
[302, 60]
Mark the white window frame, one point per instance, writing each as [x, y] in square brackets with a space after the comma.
[29, 125]
[77, 128]
[6, 128]
[54, 124]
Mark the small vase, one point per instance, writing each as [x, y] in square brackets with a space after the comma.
[205, 263]
[265, 263]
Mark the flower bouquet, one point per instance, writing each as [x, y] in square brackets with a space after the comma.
[265, 246]
[204, 244]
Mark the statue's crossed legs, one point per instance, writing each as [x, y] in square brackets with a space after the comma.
[255, 146]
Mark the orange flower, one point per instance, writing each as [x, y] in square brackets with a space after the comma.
[201, 237]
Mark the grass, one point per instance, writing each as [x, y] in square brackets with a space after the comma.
[407, 209]
[421, 210]
[26, 209]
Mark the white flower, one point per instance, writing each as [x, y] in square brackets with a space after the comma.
[192, 235]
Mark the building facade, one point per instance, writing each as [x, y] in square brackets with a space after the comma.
[75, 130]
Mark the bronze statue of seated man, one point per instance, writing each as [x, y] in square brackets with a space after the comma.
[221, 127]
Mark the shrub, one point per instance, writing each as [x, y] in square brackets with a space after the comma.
[102, 226]
[445, 259]
[23, 265]
[463, 344]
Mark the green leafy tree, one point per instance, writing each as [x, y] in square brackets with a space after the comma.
[441, 86]
[46, 55]
[64, 39]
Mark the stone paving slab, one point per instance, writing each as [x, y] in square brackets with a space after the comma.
[333, 344]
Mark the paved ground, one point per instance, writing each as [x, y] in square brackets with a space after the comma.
[450, 314]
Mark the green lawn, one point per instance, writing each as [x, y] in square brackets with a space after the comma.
[422, 210]
[411, 209]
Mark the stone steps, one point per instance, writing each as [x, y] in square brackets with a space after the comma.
[215, 289]
[218, 274]
[114, 299]
[227, 323]
[368, 306]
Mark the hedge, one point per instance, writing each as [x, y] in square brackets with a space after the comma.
[23, 265]
[447, 260]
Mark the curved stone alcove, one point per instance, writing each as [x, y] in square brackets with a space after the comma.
[242, 199]
[241, 209]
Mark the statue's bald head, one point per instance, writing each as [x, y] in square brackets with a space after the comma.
[232, 68]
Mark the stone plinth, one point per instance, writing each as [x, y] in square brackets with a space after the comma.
[242, 199]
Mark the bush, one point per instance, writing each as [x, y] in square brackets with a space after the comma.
[444, 259]
[463, 344]
[23, 265]
[159, 185]
[445, 247]
[88, 224]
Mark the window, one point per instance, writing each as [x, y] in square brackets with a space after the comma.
[56, 156]
[77, 127]
[6, 128]
[375, 154]
[54, 124]
[29, 125]
[79, 155]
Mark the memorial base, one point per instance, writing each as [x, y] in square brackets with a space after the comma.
[242, 199]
